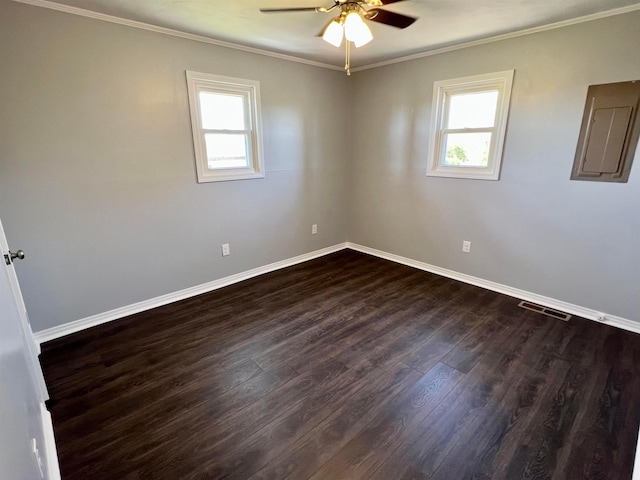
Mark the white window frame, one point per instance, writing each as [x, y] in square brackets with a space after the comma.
[250, 89]
[442, 91]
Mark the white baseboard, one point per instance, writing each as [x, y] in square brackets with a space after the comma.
[577, 310]
[99, 319]
[94, 320]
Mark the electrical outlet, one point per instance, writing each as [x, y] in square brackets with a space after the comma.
[36, 454]
[225, 250]
[466, 246]
[314, 229]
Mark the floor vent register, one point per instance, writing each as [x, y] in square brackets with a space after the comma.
[534, 307]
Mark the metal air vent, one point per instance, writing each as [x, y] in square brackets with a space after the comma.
[534, 307]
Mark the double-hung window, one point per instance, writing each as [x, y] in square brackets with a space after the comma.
[468, 126]
[225, 119]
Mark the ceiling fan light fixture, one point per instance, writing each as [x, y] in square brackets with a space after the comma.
[350, 23]
[364, 37]
[333, 33]
[356, 30]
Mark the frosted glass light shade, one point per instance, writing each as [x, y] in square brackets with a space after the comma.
[356, 30]
[333, 34]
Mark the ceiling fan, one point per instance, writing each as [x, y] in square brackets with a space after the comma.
[350, 22]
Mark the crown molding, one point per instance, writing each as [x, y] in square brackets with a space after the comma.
[200, 38]
[505, 36]
[169, 31]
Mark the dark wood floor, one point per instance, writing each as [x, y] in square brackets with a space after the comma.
[345, 367]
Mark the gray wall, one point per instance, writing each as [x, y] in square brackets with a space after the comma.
[97, 177]
[534, 229]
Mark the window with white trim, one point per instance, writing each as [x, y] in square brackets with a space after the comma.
[468, 125]
[225, 119]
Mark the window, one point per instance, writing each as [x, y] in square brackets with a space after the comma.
[468, 126]
[225, 119]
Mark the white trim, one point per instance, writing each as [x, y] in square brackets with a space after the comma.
[169, 31]
[94, 320]
[105, 317]
[200, 38]
[50, 451]
[577, 310]
[504, 36]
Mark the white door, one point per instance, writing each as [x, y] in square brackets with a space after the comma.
[17, 308]
[27, 448]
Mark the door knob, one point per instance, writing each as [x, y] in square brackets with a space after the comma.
[19, 254]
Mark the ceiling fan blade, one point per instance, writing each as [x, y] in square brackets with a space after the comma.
[292, 9]
[389, 18]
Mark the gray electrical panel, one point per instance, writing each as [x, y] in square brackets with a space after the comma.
[609, 133]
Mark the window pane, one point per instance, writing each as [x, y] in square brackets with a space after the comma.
[221, 111]
[472, 110]
[226, 150]
[467, 149]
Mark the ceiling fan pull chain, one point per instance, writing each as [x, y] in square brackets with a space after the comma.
[347, 63]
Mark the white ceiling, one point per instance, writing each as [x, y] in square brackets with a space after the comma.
[441, 23]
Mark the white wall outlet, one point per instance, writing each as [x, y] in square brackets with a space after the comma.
[314, 229]
[225, 250]
[36, 454]
[466, 246]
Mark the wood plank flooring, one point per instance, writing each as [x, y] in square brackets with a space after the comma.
[345, 367]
